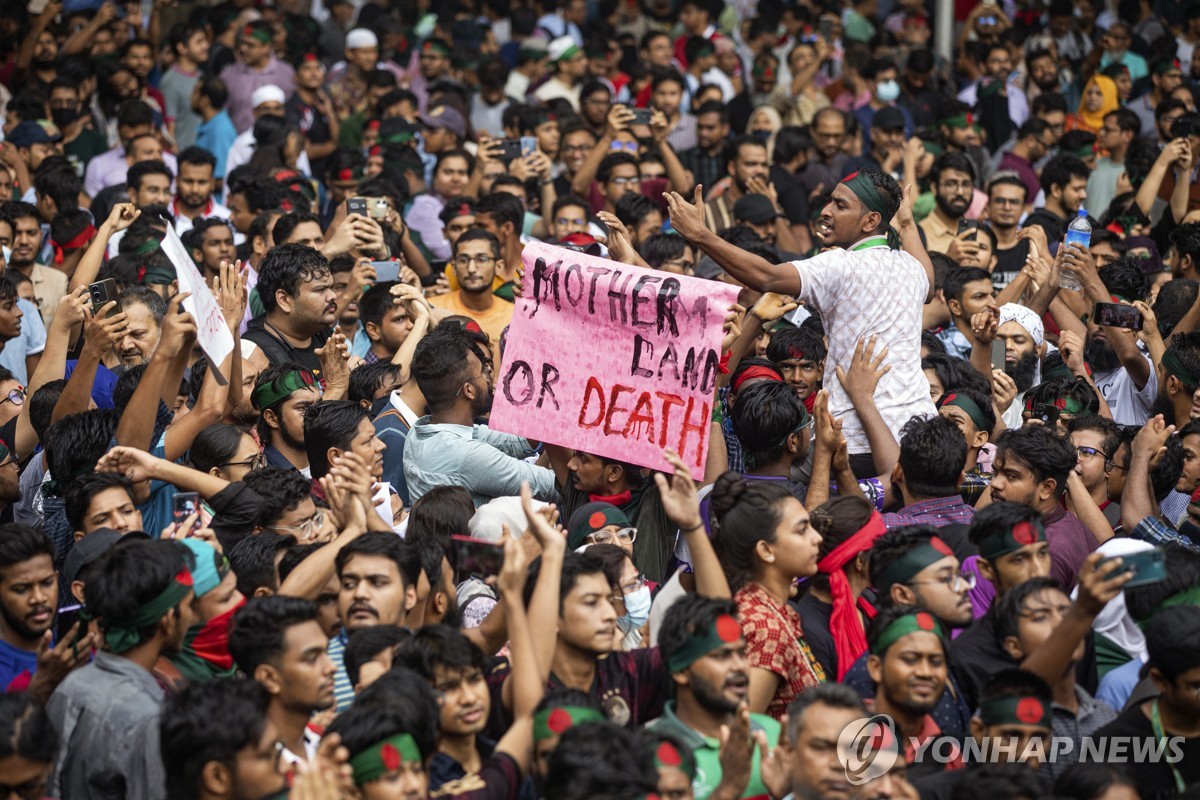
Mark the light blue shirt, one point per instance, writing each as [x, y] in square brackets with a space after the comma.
[486, 463]
[1118, 684]
[216, 136]
[31, 342]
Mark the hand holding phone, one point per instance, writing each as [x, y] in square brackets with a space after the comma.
[1146, 566]
[476, 558]
[185, 505]
[386, 271]
[356, 205]
[1117, 315]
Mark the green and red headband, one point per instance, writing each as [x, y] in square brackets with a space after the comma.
[435, 47]
[1067, 405]
[384, 757]
[1164, 67]
[964, 120]
[705, 639]
[916, 622]
[1003, 542]
[668, 756]
[550, 722]
[257, 34]
[283, 387]
[122, 635]
[1015, 711]
[905, 568]
[968, 405]
[864, 189]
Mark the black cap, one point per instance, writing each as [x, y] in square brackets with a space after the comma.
[888, 118]
[755, 208]
[91, 547]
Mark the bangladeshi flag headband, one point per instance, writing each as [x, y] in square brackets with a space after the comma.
[1015, 710]
[916, 622]
[384, 757]
[704, 640]
[1009, 540]
[550, 722]
[905, 568]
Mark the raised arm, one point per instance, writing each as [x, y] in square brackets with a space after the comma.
[136, 428]
[1138, 501]
[72, 310]
[751, 270]
[527, 685]
[419, 311]
[860, 382]
[910, 236]
[100, 333]
[138, 465]
[679, 500]
[120, 218]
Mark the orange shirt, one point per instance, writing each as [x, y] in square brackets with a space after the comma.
[493, 321]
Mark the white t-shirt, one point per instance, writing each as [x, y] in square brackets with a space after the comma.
[1129, 405]
[859, 293]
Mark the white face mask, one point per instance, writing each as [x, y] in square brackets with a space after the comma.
[637, 610]
[888, 91]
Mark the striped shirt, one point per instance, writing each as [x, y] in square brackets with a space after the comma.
[343, 690]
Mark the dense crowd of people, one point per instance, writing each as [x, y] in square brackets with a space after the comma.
[946, 541]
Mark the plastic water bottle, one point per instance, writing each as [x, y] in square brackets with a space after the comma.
[1078, 232]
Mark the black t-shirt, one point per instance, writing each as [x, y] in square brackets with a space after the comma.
[975, 655]
[312, 123]
[279, 351]
[1153, 780]
[1009, 264]
[815, 616]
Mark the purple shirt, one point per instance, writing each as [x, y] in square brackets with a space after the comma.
[109, 168]
[1025, 171]
[1070, 543]
[936, 512]
[241, 81]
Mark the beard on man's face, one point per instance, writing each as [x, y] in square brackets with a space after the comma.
[1023, 371]
[1099, 353]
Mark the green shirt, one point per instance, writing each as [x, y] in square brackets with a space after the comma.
[84, 147]
[707, 751]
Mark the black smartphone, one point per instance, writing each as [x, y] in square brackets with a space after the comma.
[1117, 315]
[1147, 567]
[1048, 414]
[184, 505]
[969, 225]
[357, 205]
[102, 292]
[999, 353]
[641, 116]
[67, 616]
[477, 558]
[825, 26]
[510, 149]
[386, 271]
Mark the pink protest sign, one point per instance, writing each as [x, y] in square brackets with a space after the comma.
[610, 359]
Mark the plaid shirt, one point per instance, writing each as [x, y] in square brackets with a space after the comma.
[1159, 533]
[973, 485]
[1092, 715]
[936, 512]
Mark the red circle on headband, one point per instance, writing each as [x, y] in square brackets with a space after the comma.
[1024, 533]
[850, 177]
[728, 629]
[925, 621]
[559, 720]
[390, 757]
[940, 546]
[1030, 710]
[668, 756]
[597, 519]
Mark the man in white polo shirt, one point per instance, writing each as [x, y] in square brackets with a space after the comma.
[865, 287]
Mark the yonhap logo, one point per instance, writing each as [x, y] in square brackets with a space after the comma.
[868, 748]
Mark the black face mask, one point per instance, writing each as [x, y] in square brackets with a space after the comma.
[64, 116]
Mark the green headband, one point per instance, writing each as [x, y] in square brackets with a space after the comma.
[147, 247]
[551, 722]
[704, 640]
[1188, 597]
[435, 47]
[903, 569]
[1174, 366]
[568, 53]
[281, 388]
[1006, 541]
[917, 622]
[257, 34]
[1067, 405]
[1015, 711]
[963, 120]
[865, 191]
[386, 756]
[122, 635]
[968, 405]
[1085, 152]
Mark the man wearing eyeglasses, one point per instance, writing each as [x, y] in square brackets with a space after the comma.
[1096, 440]
[476, 260]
